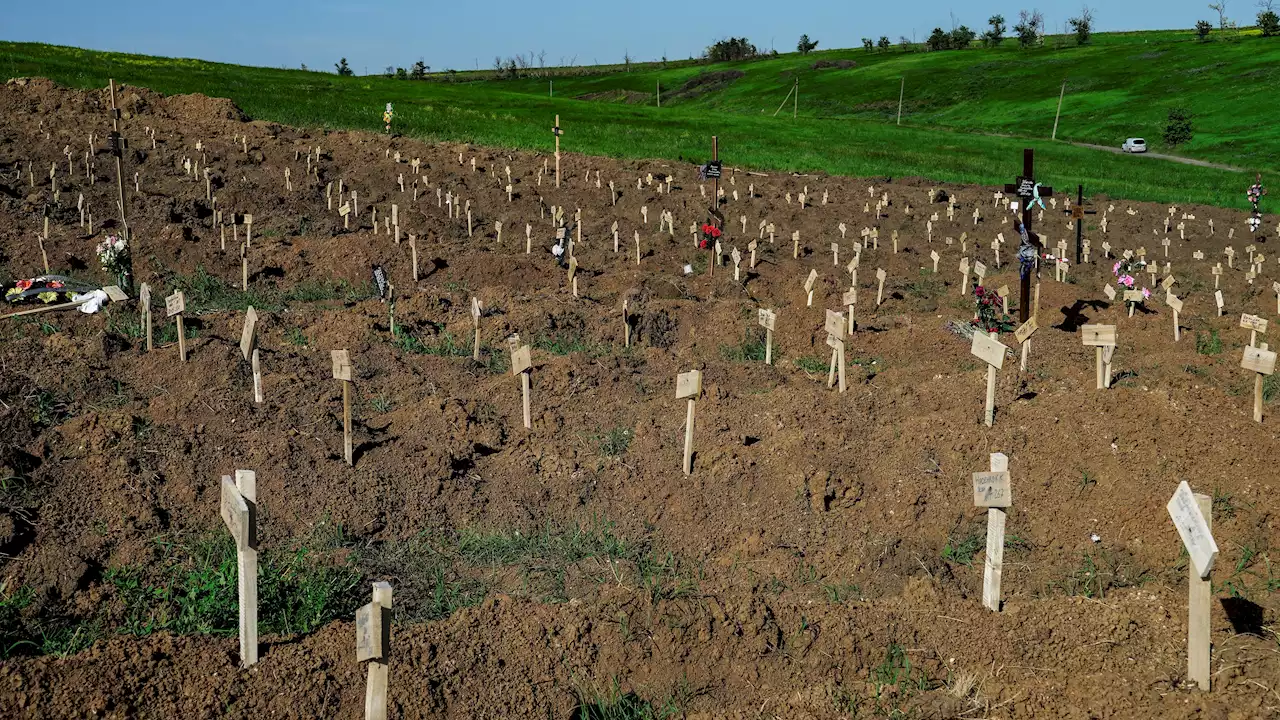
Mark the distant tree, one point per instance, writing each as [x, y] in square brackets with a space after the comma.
[868, 44]
[806, 46]
[419, 70]
[389, 72]
[1029, 28]
[884, 43]
[731, 49]
[1221, 8]
[1203, 27]
[938, 40]
[304, 66]
[1082, 25]
[961, 37]
[1178, 130]
[1269, 23]
[401, 74]
[343, 68]
[904, 42]
[994, 36]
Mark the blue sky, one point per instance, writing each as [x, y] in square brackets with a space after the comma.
[464, 34]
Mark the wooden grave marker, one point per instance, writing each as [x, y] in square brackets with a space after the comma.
[991, 351]
[767, 319]
[1254, 325]
[522, 365]
[373, 644]
[1174, 304]
[880, 277]
[144, 309]
[1103, 338]
[249, 350]
[175, 305]
[1023, 335]
[1262, 362]
[808, 286]
[935, 257]
[689, 385]
[239, 511]
[1192, 515]
[834, 326]
[993, 490]
[342, 372]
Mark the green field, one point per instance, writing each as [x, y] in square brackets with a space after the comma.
[958, 104]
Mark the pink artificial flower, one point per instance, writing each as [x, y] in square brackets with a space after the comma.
[1126, 280]
[24, 285]
[1145, 293]
[1115, 268]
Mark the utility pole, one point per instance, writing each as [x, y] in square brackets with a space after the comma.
[1059, 113]
[901, 92]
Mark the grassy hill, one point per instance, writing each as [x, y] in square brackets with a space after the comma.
[956, 102]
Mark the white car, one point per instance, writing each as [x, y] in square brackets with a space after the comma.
[1134, 145]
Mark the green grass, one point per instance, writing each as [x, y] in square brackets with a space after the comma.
[191, 588]
[566, 343]
[1102, 571]
[750, 350]
[812, 365]
[615, 442]
[1209, 344]
[962, 549]
[956, 102]
[613, 704]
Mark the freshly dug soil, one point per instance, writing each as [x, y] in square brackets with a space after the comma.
[831, 557]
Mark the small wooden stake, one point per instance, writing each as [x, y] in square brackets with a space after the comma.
[988, 349]
[768, 319]
[144, 308]
[342, 372]
[373, 643]
[175, 306]
[689, 385]
[993, 491]
[1262, 362]
[880, 276]
[475, 318]
[522, 365]
[239, 511]
[1193, 518]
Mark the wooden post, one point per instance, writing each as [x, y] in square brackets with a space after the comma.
[373, 643]
[993, 490]
[557, 132]
[249, 349]
[835, 340]
[117, 147]
[880, 276]
[689, 385]
[1176, 305]
[342, 372]
[1102, 337]
[1023, 335]
[144, 309]
[1193, 517]
[175, 306]
[768, 319]
[522, 365]
[626, 322]
[244, 267]
[1262, 362]
[239, 511]
[989, 349]
[413, 252]
[475, 318]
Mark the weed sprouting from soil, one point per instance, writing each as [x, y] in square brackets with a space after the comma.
[615, 442]
[295, 336]
[751, 349]
[811, 365]
[1101, 572]
[380, 404]
[613, 704]
[191, 588]
[565, 343]
[1209, 344]
[962, 549]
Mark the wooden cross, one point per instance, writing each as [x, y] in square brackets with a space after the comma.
[175, 306]
[1193, 517]
[1024, 186]
[689, 385]
[993, 491]
[1078, 211]
[239, 511]
[1103, 338]
[373, 643]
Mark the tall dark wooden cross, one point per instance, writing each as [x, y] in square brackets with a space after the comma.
[714, 171]
[1024, 186]
[1078, 212]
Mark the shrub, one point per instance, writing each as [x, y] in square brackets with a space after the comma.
[1269, 23]
[1202, 30]
[1178, 129]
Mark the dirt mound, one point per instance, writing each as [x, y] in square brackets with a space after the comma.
[837, 64]
[823, 560]
[707, 82]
